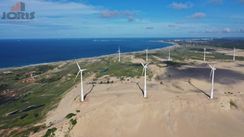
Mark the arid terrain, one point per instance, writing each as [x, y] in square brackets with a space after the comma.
[178, 103]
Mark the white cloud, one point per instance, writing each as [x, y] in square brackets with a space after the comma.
[180, 6]
[216, 1]
[241, 1]
[198, 15]
[241, 30]
[223, 30]
[226, 30]
[149, 28]
[130, 15]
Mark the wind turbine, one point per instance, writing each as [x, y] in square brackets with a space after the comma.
[119, 53]
[212, 73]
[146, 55]
[169, 58]
[145, 78]
[204, 55]
[234, 54]
[81, 81]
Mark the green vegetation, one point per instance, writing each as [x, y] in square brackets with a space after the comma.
[226, 43]
[111, 67]
[73, 122]
[194, 53]
[50, 132]
[233, 104]
[27, 103]
[23, 104]
[27, 132]
[174, 63]
[70, 115]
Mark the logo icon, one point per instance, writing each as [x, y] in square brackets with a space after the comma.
[19, 6]
[18, 12]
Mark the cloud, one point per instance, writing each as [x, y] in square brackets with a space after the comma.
[198, 15]
[172, 25]
[130, 15]
[68, 18]
[241, 30]
[216, 1]
[150, 28]
[210, 31]
[65, 1]
[226, 30]
[241, 1]
[180, 6]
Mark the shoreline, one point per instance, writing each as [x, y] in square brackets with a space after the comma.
[174, 45]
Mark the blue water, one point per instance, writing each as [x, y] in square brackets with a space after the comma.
[15, 53]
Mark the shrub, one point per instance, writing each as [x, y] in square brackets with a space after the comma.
[50, 132]
[233, 104]
[73, 122]
[70, 115]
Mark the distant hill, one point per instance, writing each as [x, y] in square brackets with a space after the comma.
[227, 43]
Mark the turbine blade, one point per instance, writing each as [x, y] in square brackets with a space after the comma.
[119, 49]
[77, 75]
[142, 64]
[143, 70]
[210, 66]
[78, 65]
[211, 74]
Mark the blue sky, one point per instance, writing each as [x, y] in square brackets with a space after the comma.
[126, 18]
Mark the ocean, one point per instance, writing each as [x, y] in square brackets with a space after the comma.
[16, 53]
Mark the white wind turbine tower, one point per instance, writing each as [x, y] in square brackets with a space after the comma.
[146, 55]
[145, 78]
[81, 81]
[234, 54]
[169, 58]
[119, 53]
[212, 74]
[204, 55]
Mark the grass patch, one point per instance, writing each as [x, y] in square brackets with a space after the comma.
[174, 63]
[70, 115]
[52, 82]
[233, 104]
[73, 122]
[50, 132]
[27, 132]
[113, 68]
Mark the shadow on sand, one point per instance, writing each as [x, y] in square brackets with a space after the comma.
[89, 92]
[198, 89]
[202, 72]
[142, 91]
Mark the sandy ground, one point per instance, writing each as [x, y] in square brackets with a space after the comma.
[177, 107]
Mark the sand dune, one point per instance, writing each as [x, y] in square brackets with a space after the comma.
[178, 107]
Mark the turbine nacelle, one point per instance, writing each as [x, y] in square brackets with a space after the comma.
[145, 66]
[212, 67]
